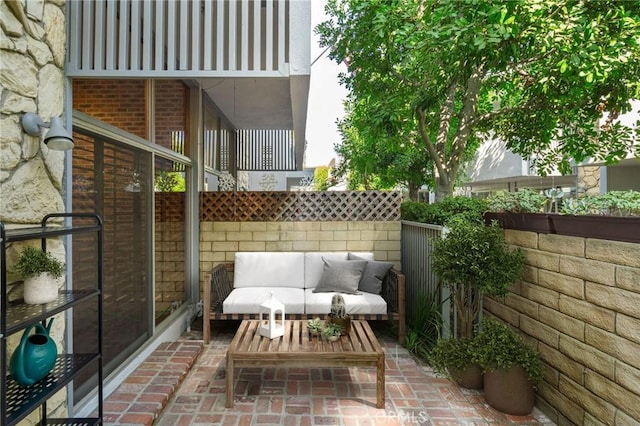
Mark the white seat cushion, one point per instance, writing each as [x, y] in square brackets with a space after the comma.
[364, 303]
[269, 269]
[247, 300]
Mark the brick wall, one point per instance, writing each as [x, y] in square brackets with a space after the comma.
[171, 111]
[120, 103]
[579, 305]
[219, 241]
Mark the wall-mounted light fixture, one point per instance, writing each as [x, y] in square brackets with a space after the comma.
[57, 137]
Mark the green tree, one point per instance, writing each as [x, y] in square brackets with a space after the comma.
[376, 159]
[539, 74]
[321, 178]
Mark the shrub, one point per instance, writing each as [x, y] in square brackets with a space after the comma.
[443, 212]
[524, 201]
[500, 347]
[614, 203]
[33, 262]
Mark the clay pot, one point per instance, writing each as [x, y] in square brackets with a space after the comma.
[470, 378]
[509, 391]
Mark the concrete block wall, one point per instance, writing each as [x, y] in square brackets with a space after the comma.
[219, 241]
[579, 305]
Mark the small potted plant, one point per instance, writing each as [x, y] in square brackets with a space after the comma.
[338, 314]
[512, 369]
[40, 271]
[332, 331]
[314, 326]
[456, 358]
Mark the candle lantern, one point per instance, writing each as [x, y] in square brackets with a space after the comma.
[271, 318]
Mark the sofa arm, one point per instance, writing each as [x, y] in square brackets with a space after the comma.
[217, 287]
[393, 292]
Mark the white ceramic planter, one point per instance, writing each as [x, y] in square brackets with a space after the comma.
[40, 289]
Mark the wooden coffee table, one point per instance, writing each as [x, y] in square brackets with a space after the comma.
[297, 348]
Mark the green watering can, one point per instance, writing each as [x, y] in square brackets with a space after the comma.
[34, 358]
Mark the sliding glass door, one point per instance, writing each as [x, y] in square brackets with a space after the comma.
[114, 180]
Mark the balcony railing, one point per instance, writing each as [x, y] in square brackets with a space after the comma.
[178, 38]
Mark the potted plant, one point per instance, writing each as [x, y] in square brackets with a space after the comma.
[472, 260]
[456, 359]
[338, 314]
[332, 331]
[524, 209]
[40, 271]
[314, 326]
[512, 369]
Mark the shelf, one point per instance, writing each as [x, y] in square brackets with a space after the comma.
[75, 422]
[22, 399]
[23, 234]
[20, 315]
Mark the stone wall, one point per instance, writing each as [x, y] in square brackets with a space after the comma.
[219, 241]
[579, 305]
[588, 180]
[32, 57]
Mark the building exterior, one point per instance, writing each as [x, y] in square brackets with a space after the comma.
[175, 96]
[495, 168]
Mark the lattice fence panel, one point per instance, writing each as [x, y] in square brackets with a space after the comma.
[300, 206]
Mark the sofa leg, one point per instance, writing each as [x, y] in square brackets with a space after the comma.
[206, 329]
[401, 331]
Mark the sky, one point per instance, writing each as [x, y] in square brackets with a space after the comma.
[325, 98]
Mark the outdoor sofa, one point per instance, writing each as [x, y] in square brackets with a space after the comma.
[304, 282]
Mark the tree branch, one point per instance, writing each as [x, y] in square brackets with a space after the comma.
[467, 115]
[433, 153]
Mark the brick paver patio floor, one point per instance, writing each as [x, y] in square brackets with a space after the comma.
[324, 396]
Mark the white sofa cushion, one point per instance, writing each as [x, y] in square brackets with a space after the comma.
[269, 269]
[364, 303]
[247, 300]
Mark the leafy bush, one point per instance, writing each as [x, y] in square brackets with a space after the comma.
[500, 347]
[33, 262]
[424, 324]
[453, 354]
[614, 203]
[443, 212]
[474, 259]
[477, 255]
[524, 201]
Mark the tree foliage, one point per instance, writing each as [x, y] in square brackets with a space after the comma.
[549, 77]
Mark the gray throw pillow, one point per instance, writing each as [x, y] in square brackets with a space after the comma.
[340, 275]
[372, 277]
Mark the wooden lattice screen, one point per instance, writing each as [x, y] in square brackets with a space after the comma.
[319, 206]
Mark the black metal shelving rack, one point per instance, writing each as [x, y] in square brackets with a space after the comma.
[16, 401]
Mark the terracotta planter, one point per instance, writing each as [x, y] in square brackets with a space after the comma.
[509, 391]
[470, 378]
